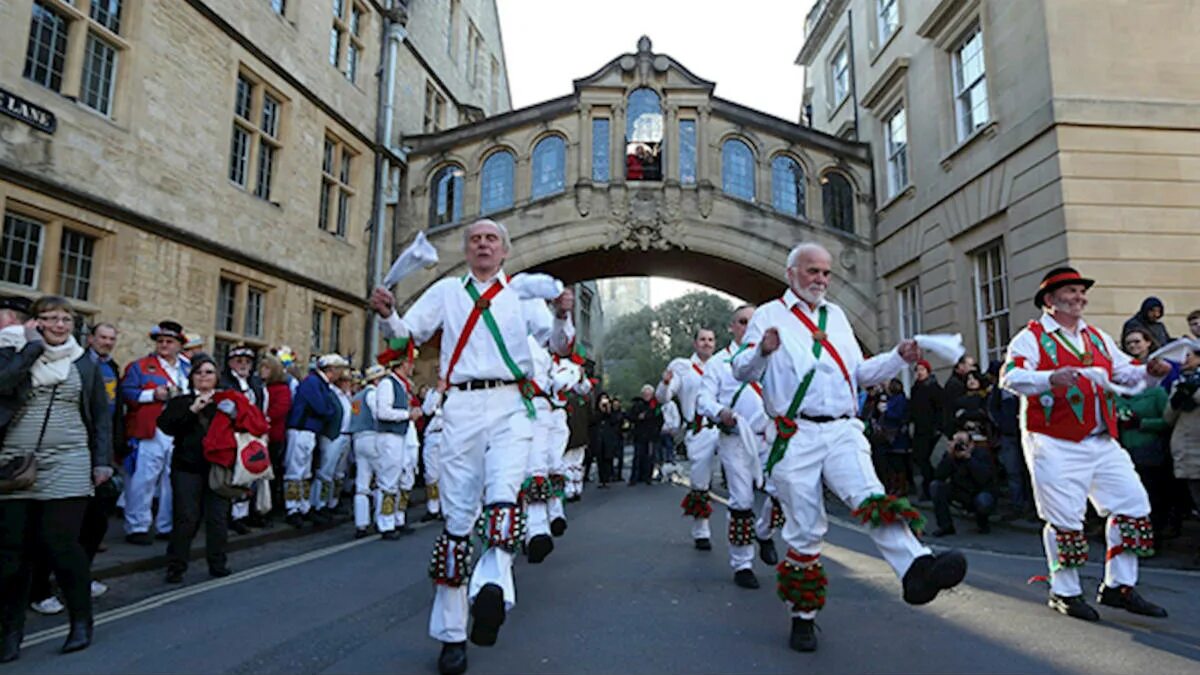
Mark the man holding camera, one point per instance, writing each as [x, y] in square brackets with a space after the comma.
[1069, 436]
[964, 477]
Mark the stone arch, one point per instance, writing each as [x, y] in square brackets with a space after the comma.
[483, 152]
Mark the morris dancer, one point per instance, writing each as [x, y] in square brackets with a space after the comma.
[536, 491]
[566, 378]
[1069, 435]
[727, 402]
[487, 430]
[396, 414]
[811, 367]
[701, 437]
[431, 449]
[369, 463]
[315, 409]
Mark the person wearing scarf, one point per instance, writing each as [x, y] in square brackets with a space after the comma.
[64, 422]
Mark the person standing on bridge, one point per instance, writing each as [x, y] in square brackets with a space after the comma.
[487, 429]
[1059, 366]
[811, 367]
[730, 404]
[683, 381]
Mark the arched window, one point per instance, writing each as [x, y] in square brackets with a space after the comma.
[787, 186]
[496, 183]
[838, 197]
[549, 166]
[447, 188]
[737, 169]
[644, 136]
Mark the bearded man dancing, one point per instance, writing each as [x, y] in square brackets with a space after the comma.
[811, 367]
[487, 429]
[1058, 365]
[702, 435]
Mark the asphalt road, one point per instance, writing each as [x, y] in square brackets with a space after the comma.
[623, 592]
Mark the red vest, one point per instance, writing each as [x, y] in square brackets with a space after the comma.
[1069, 413]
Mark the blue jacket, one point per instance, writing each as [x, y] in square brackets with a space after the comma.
[313, 405]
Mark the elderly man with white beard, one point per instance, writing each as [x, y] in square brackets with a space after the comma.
[811, 367]
[488, 429]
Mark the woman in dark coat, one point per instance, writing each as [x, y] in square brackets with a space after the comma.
[64, 421]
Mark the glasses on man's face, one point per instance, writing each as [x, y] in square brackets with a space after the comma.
[56, 319]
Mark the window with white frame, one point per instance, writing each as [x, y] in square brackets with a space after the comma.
[337, 192]
[53, 56]
[20, 247]
[76, 254]
[896, 141]
[991, 300]
[908, 310]
[227, 291]
[839, 74]
[255, 140]
[887, 14]
[970, 83]
[345, 37]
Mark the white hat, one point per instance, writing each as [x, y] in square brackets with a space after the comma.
[332, 361]
[374, 372]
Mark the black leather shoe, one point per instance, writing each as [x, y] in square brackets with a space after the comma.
[804, 635]
[219, 572]
[540, 547]
[140, 539]
[745, 579]
[174, 576]
[10, 645]
[703, 544]
[767, 552]
[296, 520]
[931, 574]
[1128, 599]
[390, 535]
[488, 612]
[1073, 606]
[80, 636]
[239, 527]
[453, 660]
[558, 526]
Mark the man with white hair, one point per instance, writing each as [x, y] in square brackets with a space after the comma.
[701, 437]
[315, 410]
[811, 367]
[487, 429]
[729, 403]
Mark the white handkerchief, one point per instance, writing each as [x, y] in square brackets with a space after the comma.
[1177, 350]
[419, 254]
[533, 285]
[1100, 377]
[946, 347]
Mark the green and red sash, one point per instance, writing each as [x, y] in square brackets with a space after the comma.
[482, 309]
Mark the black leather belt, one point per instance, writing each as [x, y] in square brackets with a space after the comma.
[472, 385]
[822, 419]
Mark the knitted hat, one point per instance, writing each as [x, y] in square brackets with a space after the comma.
[925, 364]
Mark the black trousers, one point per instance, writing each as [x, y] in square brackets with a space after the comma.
[1159, 484]
[191, 500]
[922, 456]
[28, 526]
[95, 526]
[643, 462]
[276, 450]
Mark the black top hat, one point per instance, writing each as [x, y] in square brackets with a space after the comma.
[1057, 278]
[16, 304]
[171, 329]
[241, 350]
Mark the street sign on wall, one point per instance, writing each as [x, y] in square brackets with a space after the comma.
[35, 116]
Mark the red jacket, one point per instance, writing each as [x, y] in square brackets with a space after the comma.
[279, 402]
[220, 443]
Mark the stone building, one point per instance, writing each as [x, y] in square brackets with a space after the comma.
[625, 295]
[1012, 137]
[215, 161]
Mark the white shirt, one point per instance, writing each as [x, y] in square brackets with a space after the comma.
[671, 419]
[1027, 380]
[542, 363]
[347, 407]
[781, 373]
[432, 407]
[446, 306]
[684, 388]
[720, 386]
[566, 376]
[385, 399]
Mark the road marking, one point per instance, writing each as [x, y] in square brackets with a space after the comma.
[861, 529]
[163, 599]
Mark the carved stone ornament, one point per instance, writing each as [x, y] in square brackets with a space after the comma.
[651, 221]
[583, 198]
[704, 195]
[848, 258]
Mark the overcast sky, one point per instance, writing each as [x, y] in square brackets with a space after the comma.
[747, 48]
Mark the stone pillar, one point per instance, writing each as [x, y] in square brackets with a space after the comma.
[670, 149]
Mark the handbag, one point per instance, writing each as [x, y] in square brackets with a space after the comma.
[20, 473]
[251, 460]
[220, 481]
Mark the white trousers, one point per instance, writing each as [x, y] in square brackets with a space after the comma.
[486, 442]
[1065, 474]
[371, 465]
[398, 473]
[573, 458]
[837, 454]
[701, 448]
[151, 478]
[298, 468]
[331, 451]
[538, 513]
[433, 469]
[559, 434]
[738, 461]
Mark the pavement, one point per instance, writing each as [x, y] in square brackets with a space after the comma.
[624, 591]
